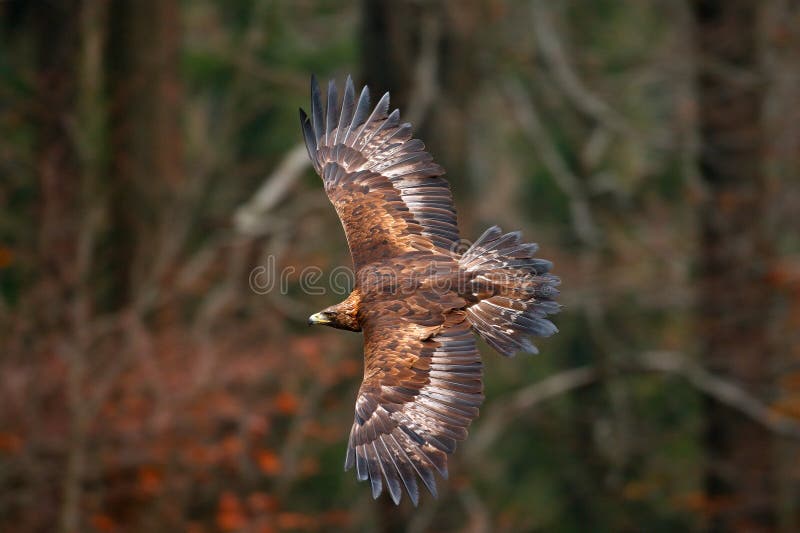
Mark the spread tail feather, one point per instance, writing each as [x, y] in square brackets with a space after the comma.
[513, 291]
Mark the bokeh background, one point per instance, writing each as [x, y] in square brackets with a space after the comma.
[150, 160]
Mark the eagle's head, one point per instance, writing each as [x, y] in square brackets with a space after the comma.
[343, 315]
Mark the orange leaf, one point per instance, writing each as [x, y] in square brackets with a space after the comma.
[6, 256]
[231, 446]
[261, 502]
[295, 521]
[102, 522]
[10, 443]
[269, 462]
[150, 480]
[286, 403]
[230, 515]
[228, 521]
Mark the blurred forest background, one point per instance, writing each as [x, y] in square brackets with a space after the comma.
[151, 159]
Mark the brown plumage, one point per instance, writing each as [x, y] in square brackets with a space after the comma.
[416, 299]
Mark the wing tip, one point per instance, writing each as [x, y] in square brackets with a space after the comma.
[396, 496]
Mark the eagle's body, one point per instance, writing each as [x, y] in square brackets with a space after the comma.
[417, 300]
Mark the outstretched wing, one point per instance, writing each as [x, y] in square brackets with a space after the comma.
[387, 190]
[421, 390]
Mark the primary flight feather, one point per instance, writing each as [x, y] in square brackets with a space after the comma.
[417, 299]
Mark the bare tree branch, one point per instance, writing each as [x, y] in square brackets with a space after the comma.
[507, 410]
[720, 389]
[426, 88]
[558, 62]
[565, 179]
[723, 390]
[475, 508]
[249, 217]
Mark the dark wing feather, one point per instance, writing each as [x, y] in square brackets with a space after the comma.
[332, 111]
[316, 109]
[406, 190]
[421, 390]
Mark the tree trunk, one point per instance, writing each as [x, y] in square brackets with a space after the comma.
[61, 181]
[734, 258]
[146, 149]
[58, 161]
[427, 56]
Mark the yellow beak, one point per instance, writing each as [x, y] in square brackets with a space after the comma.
[318, 318]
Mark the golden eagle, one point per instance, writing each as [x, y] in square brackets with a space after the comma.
[417, 298]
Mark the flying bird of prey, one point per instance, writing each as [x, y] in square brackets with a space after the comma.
[417, 297]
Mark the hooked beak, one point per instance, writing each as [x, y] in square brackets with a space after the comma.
[318, 318]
